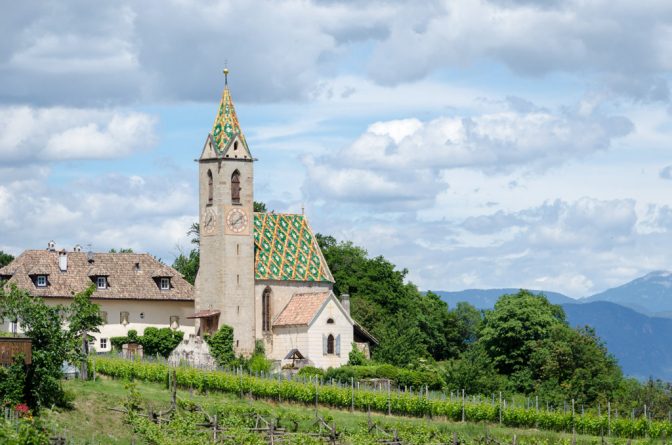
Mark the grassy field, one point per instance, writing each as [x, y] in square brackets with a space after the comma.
[93, 422]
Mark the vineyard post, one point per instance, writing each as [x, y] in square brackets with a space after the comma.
[500, 407]
[608, 418]
[573, 421]
[462, 404]
[536, 403]
[352, 393]
[389, 401]
[316, 397]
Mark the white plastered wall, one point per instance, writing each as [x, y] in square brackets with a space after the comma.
[155, 314]
[309, 339]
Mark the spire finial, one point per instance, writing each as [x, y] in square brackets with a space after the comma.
[226, 72]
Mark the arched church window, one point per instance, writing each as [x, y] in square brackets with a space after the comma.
[235, 146]
[330, 344]
[330, 321]
[210, 188]
[266, 310]
[235, 187]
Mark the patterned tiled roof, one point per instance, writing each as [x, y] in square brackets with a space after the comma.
[301, 309]
[226, 125]
[129, 275]
[286, 249]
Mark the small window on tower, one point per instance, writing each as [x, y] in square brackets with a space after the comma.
[210, 188]
[235, 146]
[235, 187]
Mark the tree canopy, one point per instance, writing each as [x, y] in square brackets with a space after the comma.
[5, 258]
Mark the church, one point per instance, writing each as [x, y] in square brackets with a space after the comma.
[262, 273]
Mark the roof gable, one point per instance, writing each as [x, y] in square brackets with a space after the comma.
[303, 309]
[286, 249]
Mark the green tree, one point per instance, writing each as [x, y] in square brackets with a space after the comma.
[188, 265]
[122, 250]
[5, 258]
[577, 362]
[469, 321]
[83, 319]
[512, 329]
[259, 207]
[51, 344]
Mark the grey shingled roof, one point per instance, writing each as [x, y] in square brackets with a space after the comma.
[125, 280]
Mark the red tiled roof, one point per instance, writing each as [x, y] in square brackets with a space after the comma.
[301, 309]
[129, 275]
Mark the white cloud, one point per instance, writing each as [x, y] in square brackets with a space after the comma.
[56, 134]
[149, 214]
[399, 161]
[80, 53]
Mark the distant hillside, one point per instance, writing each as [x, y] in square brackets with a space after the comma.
[640, 343]
[486, 298]
[650, 294]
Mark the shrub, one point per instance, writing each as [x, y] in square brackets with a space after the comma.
[154, 340]
[356, 357]
[310, 371]
[221, 346]
[160, 341]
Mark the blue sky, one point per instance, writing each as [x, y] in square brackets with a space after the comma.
[500, 143]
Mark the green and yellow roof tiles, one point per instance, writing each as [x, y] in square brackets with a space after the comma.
[226, 126]
[287, 250]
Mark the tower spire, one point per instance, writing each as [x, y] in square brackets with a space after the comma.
[226, 126]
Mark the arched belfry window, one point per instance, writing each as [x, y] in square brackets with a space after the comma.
[266, 309]
[210, 188]
[330, 344]
[235, 187]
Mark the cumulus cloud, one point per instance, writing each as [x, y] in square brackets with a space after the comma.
[621, 44]
[56, 134]
[577, 247]
[148, 214]
[400, 161]
[78, 52]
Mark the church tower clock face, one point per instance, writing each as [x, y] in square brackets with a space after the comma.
[209, 221]
[236, 220]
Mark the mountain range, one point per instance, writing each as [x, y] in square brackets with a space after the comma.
[634, 319]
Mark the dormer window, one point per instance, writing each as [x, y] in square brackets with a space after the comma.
[101, 282]
[165, 283]
[41, 281]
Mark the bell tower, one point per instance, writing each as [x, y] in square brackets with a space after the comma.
[225, 280]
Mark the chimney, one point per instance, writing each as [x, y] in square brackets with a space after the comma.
[345, 302]
[51, 246]
[77, 248]
[63, 260]
[89, 256]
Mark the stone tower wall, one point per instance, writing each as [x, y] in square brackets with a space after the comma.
[225, 280]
